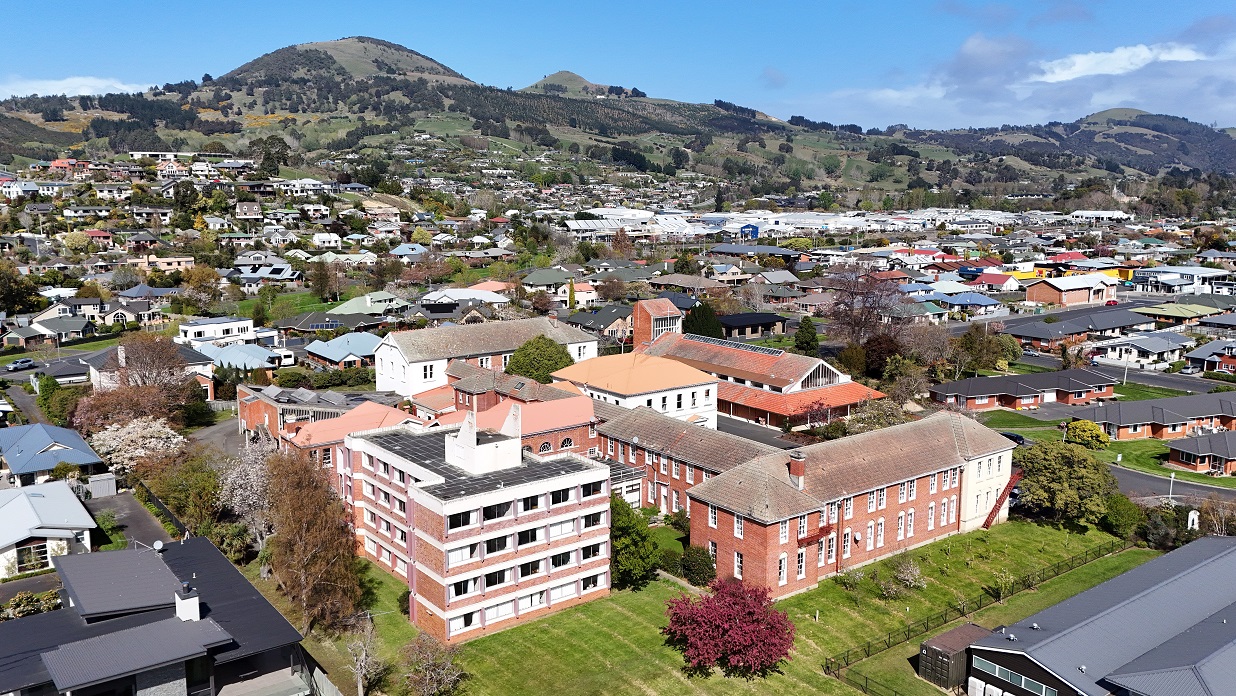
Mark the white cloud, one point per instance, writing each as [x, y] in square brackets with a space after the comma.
[15, 86]
[1118, 61]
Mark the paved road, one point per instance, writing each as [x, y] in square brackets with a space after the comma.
[751, 431]
[135, 521]
[1151, 378]
[26, 404]
[222, 435]
[38, 583]
[1138, 484]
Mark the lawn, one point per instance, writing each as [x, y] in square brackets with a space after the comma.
[1001, 419]
[1148, 456]
[895, 668]
[297, 302]
[784, 342]
[1142, 392]
[382, 594]
[667, 537]
[612, 645]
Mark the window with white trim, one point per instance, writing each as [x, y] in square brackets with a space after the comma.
[830, 549]
[870, 535]
[738, 564]
[562, 592]
[532, 601]
[560, 529]
[910, 522]
[931, 517]
[499, 611]
[913, 489]
[849, 507]
[901, 526]
[952, 509]
[462, 623]
[932, 483]
[738, 526]
[712, 515]
[880, 533]
[802, 564]
[712, 551]
[783, 531]
[690, 474]
[883, 496]
[845, 543]
[871, 502]
[903, 490]
[781, 569]
[802, 526]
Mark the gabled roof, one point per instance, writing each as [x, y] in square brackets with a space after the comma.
[370, 415]
[446, 342]
[1079, 379]
[686, 442]
[1171, 411]
[360, 344]
[765, 365]
[45, 510]
[631, 374]
[29, 449]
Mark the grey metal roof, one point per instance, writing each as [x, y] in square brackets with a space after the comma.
[116, 582]
[1220, 444]
[1176, 409]
[1150, 626]
[101, 658]
[1079, 379]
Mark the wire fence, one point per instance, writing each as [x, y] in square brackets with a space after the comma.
[961, 608]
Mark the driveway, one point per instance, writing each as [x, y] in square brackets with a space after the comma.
[135, 521]
[26, 404]
[224, 436]
[38, 583]
[751, 431]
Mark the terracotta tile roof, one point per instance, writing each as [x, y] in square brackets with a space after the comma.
[633, 373]
[837, 395]
[436, 399]
[492, 286]
[472, 379]
[774, 367]
[761, 488]
[367, 416]
[660, 307]
[535, 417]
[480, 339]
[685, 442]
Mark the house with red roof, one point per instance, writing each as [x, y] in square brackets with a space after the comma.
[995, 282]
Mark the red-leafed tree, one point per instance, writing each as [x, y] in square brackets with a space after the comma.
[735, 629]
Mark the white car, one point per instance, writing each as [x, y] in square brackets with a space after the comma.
[1190, 370]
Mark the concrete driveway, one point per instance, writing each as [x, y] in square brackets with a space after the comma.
[223, 436]
[26, 404]
[36, 584]
[136, 522]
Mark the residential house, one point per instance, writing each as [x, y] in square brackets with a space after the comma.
[29, 453]
[348, 350]
[273, 410]
[1164, 419]
[1073, 387]
[612, 321]
[38, 523]
[376, 303]
[221, 331]
[747, 325]
[1213, 454]
[1173, 313]
[1072, 290]
[1155, 350]
[326, 240]
[1178, 280]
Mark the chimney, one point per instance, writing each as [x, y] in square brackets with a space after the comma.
[187, 607]
[120, 357]
[798, 468]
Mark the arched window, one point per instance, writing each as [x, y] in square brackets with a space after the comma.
[527, 448]
[545, 447]
[567, 443]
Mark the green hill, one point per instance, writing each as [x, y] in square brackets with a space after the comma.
[566, 83]
[357, 57]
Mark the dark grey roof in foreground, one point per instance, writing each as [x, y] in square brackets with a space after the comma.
[1160, 625]
[1220, 444]
[101, 658]
[1173, 410]
[116, 582]
[1026, 385]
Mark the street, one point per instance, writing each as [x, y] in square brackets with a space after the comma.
[223, 436]
[1150, 378]
[1136, 484]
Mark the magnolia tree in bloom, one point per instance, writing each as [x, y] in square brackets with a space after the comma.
[244, 488]
[123, 446]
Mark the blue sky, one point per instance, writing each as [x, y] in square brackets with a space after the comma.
[930, 64]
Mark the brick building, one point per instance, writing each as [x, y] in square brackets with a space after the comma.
[486, 534]
[788, 519]
[1214, 454]
[271, 409]
[1074, 387]
[1092, 288]
[1164, 419]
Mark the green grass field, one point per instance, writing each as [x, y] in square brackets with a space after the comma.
[1142, 392]
[668, 538]
[896, 667]
[1148, 456]
[613, 645]
[295, 302]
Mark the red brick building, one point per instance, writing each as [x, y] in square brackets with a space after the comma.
[788, 519]
[1074, 387]
[1092, 288]
[1214, 454]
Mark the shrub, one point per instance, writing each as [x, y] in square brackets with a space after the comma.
[1123, 516]
[404, 601]
[292, 379]
[833, 430]
[907, 572]
[850, 579]
[670, 560]
[736, 628]
[1088, 434]
[697, 566]
[679, 521]
[889, 589]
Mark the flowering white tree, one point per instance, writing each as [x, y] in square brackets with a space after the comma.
[244, 485]
[122, 446]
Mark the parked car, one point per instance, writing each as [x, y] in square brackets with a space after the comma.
[1190, 370]
[20, 364]
[1029, 351]
[1111, 303]
[1019, 439]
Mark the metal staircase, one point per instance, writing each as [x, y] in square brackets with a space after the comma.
[1004, 495]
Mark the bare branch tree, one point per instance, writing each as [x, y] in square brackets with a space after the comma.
[432, 668]
[859, 302]
[363, 660]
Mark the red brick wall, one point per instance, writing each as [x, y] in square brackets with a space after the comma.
[641, 326]
[255, 413]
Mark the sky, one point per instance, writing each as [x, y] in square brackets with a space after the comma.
[927, 64]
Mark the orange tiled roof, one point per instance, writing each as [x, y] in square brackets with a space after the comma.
[837, 395]
[779, 369]
[366, 416]
[633, 373]
[534, 417]
[659, 307]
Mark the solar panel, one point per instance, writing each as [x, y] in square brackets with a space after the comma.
[763, 350]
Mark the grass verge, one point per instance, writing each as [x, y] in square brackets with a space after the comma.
[1142, 392]
[1147, 456]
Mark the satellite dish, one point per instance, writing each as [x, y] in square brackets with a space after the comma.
[158, 545]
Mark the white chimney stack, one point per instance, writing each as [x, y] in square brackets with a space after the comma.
[187, 606]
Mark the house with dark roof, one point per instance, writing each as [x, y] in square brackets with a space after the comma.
[752, 324]
[1213, 454]
[171, 622]
[1077, 386]
[1164, 419]
[1147, 632]
[311, 322]
[786, 520]
[613, 321]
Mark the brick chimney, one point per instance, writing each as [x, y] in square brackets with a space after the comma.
[798, 468]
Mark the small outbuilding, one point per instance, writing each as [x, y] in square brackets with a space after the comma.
[942, 659]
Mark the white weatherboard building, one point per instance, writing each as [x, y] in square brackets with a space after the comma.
[39, 522]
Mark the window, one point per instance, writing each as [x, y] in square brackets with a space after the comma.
[664, 461]
[528, 536]
[901, 526]
[910, 522]
[679, 401]
[931, 517]
[870, 535]
[545, 447]
[590, 552]
[952, 509]
[845, 544]
[592, 430]
[675, 469]
[497, 544]
[849, 508]
[459, 519]
[712, 516]
[1135, 428]
[738, 564]
[530, 503]
[980, 399]
[1011, 677]
[830, 549]
[712, 551]
[802, 526]
[464, 587]
[944, 512]
[593, 520]
[427, 372]
[591, 582]
[932, 483]
[560, 496]
[676, 501]
[590, 489]
[883, 496]
[529, 568]
[664, 404]
[952, 479]
[738, 526]
[609, 447]
[690, 474]
[802, 564]
[560, 560]
[561, 529]
[532, 601]
[913, 489]
[463, 623]
[903, 490]
[562, 592]
[880, 533]
[871, 502]
[832, 514]
[499, 611]
[496, 511]
[781, 579]
[484, 361]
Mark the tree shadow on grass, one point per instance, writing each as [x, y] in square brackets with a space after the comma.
[368, 586]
